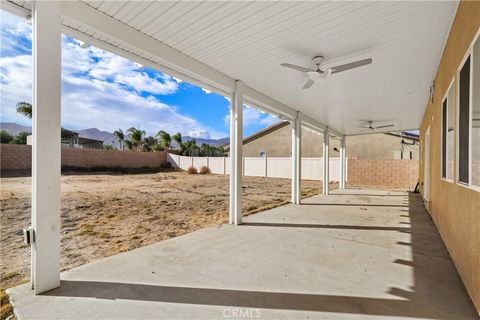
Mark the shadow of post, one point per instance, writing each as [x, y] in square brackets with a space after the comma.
[437, 292]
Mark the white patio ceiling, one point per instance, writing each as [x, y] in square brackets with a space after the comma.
[249, 40]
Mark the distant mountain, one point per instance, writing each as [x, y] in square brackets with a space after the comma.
[107, 137]
[94, 133]
[14, 128]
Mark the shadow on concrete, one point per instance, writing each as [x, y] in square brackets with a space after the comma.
[323, 226]
[238, 298]
[368, 195]
[354, 205]
[436, 293]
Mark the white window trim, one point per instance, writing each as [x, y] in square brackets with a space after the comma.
[445, 96]
[468, 53]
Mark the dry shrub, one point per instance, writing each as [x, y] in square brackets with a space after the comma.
[192, 170]
[204, 170]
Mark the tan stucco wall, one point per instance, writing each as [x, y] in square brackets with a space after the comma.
[455, 209]
[372, 146]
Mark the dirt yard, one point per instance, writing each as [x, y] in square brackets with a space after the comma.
[105, 214]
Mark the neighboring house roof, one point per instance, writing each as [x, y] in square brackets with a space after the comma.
[263, 132]
[66, 134]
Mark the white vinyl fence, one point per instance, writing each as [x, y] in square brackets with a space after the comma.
[312, 168]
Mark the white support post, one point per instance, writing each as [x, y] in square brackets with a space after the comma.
[46, 149]
[342, 164]
[296, 160]
[326, 161]
[236, 154]
[266, 166]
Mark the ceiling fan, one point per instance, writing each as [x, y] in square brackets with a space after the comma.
[316, 74]
[372, 127]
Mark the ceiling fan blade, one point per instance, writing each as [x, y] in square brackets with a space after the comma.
[295, 67]
[364, 127]
[385, 126]
[309, 83]
[351, 65]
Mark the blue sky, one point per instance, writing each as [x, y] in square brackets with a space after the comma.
[102, 90]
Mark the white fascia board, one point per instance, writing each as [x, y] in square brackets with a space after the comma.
[316, 125]
[146, 62]
[268, 104]
[378, 131]
[103, 24]
[314, 129]
[15, 9]
[188, 68]
[26, 13]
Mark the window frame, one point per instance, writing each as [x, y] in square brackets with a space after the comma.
[445, 97]
[468, 53]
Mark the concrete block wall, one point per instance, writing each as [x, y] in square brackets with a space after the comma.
[383, 173]
[19, 157]
[15, 157]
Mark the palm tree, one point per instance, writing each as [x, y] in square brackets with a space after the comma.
[25, 108]
[189, 148]
[128, 144]
[136, 137]
[120, 136]
[177, 137]
[149, 143]
[206, 150]
[165, 139]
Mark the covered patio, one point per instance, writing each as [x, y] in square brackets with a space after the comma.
[353, 254]
[345, 254]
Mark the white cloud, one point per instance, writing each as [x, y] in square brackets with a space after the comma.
[99, 89]
[199, 133]
[106, 66]
[252, 116]
[16, 85]
[142, 82]
[12, 29]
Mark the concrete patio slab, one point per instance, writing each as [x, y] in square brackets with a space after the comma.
[355, 254]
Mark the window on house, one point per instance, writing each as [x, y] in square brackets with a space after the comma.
[448, 134]
[464, 123]
[444, 137]
[475, 123]
[469, 118]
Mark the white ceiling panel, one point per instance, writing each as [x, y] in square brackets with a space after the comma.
[248, 40]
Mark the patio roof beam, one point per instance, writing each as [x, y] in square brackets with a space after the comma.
[318, 126]
[146, 62]
[104, 24]
[174, 63]
[16, 9]
[171, 58]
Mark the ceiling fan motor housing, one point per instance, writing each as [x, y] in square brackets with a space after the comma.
[318, 60]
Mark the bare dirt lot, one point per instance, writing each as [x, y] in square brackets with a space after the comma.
[105, 214]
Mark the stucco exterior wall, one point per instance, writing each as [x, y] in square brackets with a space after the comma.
[455, 209]
[372, 146]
